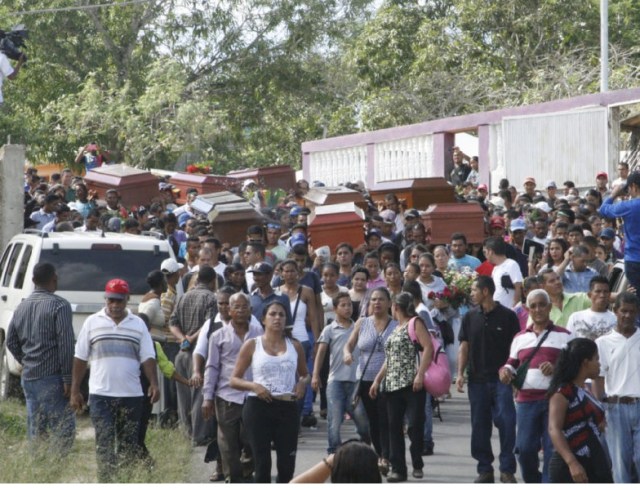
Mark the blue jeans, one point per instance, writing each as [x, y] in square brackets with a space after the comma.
[428, 423]
[339, 397]
[492, 404]
[623, 439]
[116, 422]
[632, 271]
[533, 430]
[307, 403]
[48, 412]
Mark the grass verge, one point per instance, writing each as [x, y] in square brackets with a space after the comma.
[168, 447]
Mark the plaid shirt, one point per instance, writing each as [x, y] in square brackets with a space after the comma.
[193, 309]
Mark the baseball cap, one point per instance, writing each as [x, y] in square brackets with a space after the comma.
[551, 184]
[412, 214]
[116, 289]
[170, 266]
[374, 232]
[518, 224]
[182, 219]
[602, 174]
[261, 268]
[608, 233]
[297, 239]
[496, 202]
[530, 180]
[496, 222]
[247, 183]
[388, 216]
[483, 187]
[543, 206]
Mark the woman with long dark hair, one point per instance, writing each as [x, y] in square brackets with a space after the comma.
[280, 378]
[404, 387]
[369, 335]
[576, 418]
[556, 249]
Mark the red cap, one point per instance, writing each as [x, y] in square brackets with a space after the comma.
[602, 174]
[483, 187]
[116, 289]
[497, 222]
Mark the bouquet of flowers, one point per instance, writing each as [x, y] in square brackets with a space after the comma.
[198, 168]
[458, 288]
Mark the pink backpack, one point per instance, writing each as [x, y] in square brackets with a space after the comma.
[437, 378]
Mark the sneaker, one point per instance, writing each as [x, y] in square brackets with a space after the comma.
[417, 473]
[394, 477]
[485, 478]
[508, 478]
[216, 476]
[427, 451]
[309, 420]
[323, 413]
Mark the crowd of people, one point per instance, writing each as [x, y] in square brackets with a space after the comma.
[268, 326]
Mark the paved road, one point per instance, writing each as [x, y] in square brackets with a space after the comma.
[451, 463]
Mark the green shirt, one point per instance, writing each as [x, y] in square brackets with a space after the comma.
[570, 304]
[166, 366]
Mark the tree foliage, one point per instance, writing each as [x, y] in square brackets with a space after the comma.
[243, 83]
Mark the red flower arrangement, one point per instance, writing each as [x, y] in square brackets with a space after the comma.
[198, 168]
[451, 294]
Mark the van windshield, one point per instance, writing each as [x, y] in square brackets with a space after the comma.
[89, 270]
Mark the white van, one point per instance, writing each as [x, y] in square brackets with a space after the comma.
[84, 262]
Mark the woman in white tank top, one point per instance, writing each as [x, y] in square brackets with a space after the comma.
[302, 300]
[280, 378]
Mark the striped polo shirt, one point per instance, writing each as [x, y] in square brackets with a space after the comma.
[536, 384]
[115, 352]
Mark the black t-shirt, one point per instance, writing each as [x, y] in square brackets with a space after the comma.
[489, 336]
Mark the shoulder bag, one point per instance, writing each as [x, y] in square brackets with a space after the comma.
[437, 377]
[521, 371]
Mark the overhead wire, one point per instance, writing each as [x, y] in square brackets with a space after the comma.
[77, 7]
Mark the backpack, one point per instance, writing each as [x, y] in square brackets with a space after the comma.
[437, 377]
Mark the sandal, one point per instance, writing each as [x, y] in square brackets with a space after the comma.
[383, 466]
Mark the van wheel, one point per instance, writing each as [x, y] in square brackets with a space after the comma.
[9, 384]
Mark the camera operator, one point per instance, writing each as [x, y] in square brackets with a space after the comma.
[7, 71]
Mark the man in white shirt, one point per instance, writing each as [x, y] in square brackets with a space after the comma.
[506, 274]
[117, 343]
[597, 320]
[7, 71]
[619, 352]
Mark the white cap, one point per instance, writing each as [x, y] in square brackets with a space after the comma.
[544, 206]
[170, 266]
[247, 183]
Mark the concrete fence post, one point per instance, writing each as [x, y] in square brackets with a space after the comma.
[12, 159]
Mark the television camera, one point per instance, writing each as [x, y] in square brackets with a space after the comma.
[11, 42]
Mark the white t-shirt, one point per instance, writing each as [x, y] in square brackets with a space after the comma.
[508, 268]
[115, 352]
[5, 71]
[619, 361]
[591, 324]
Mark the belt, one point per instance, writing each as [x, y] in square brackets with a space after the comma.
[624, 400]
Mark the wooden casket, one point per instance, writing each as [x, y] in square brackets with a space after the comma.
[231, 220]
[323, 196]
[276, 177]
[203, 183]
[416, 193]
[446, 219]
[135, 186]
[336, 223]
[205, 203]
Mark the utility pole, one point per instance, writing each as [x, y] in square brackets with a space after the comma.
[604, 45]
